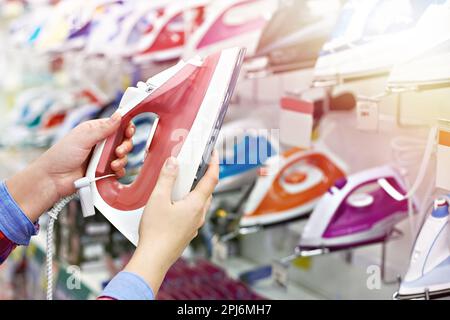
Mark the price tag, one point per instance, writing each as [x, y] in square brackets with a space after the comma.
[367, 111]
[296, 122]
[443, 156]
[219, 250]
[280, 272]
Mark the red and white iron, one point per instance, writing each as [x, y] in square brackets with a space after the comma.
[228, 24]
[188, 102]
[169, 34]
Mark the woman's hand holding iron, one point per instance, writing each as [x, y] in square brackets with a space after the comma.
[51, 176]
[167, 227]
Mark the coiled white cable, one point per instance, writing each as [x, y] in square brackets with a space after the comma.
[404, 158]
[406, 152]
[53, 216]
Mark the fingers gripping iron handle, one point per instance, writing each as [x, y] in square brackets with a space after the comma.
[132, 196]
[83, 185]
[127, 197]
[111, 143]
[174, 85]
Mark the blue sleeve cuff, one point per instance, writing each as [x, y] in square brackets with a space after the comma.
[128, 286]
[14, 224]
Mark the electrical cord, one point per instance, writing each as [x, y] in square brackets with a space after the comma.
[406, 151]
[406, 146]
[53, 216]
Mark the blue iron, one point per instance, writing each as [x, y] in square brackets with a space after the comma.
[241, 167]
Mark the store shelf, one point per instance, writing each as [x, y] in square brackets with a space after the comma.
[267, 288]
[90, 280]
[52, 83]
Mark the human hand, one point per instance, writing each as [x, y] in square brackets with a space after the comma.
[53, 174]
[167, 227]
[66, 161]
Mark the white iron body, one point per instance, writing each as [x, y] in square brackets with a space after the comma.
[23, 30]
[104, 36]
[58, 20]
[308, 33]
[279, 46]
[68, 14]
[425, 80]
[429, 67]
[429, 269]
[121, 45]
[376, 56]
[191, 152]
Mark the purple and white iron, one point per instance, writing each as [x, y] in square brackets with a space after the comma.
[355, 211]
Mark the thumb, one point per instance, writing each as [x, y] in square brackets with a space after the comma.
[167, 177]
[94, 131]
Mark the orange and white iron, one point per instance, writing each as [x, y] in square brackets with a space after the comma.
[290, 185]
[188, 102]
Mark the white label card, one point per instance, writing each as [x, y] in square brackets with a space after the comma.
[367, 114]
[280, 273]
[443, 160]
[220, 251]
